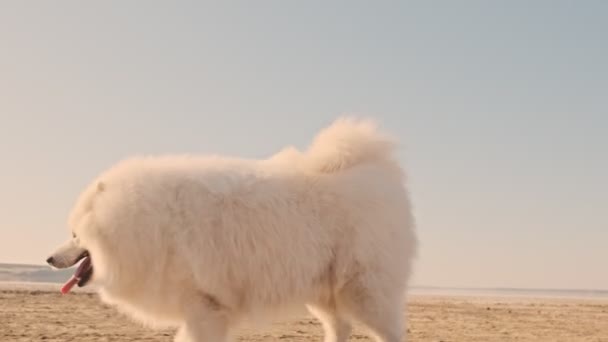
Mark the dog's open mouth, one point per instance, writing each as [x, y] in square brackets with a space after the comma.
[82, 275]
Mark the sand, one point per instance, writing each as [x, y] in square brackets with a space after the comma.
[34, 314]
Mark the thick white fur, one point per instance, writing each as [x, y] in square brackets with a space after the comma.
[204, 243]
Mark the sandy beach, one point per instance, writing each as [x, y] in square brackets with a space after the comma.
[43, 314]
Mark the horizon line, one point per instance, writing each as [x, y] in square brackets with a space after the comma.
[421, 286]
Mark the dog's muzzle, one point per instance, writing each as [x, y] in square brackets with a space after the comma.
[69, 255]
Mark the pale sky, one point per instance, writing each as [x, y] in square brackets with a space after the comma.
[501, 107]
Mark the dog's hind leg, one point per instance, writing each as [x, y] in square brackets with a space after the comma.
[335, 327]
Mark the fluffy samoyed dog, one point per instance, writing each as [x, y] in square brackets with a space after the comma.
[204, 243]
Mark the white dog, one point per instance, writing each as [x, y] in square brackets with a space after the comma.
[203, 243]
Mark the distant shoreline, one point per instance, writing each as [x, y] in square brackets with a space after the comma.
[38, 286]
[44, 278]
[510, 293]
[414, 291]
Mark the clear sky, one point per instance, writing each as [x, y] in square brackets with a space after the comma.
[501, 107]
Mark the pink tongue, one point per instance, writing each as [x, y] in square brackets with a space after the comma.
[84, 265]
[69, 284]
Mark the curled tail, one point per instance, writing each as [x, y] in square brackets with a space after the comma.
[347, 143]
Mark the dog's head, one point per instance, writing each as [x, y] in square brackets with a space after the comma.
[77, 248]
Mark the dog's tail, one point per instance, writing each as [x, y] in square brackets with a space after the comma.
[347, 143]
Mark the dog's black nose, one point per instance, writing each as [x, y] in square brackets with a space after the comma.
[49, 260]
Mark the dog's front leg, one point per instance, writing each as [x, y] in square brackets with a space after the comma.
[206, 321]
[207, 330]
